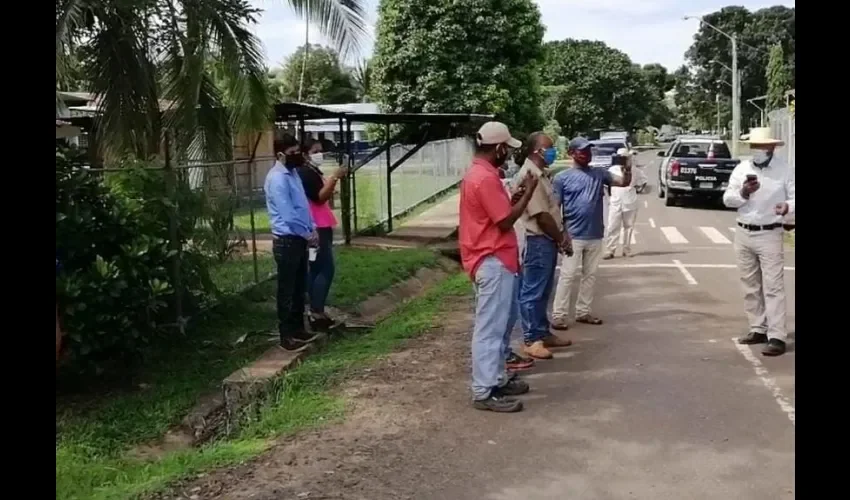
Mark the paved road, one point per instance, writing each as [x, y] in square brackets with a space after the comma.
[660, 403]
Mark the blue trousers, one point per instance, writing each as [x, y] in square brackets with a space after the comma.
[538, 279]
[321, 271]
[495, 317]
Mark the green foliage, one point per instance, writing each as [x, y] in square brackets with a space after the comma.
[646, 138]
[553, 129]
[115, 287]
[325, 81]
[778, 81]
[476, 56]
[593, 86]
[756, 32]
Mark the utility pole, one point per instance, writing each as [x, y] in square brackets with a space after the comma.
[717, 101]
[736, 97]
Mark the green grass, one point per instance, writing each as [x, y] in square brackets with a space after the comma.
[96, 431]
[790, 238]
[409, 187]
[237, 273]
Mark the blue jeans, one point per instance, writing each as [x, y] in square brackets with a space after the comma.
[495, 305]
[321, 273]
[538, 278]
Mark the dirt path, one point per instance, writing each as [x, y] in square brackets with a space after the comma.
[396, 408]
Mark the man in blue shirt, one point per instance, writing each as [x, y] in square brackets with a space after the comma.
[580, 191]
[293, 230]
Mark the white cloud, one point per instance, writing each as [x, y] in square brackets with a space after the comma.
[647, 30]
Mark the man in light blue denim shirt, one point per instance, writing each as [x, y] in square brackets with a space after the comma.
[293, 229]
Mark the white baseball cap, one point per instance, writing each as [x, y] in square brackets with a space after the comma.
[496, 133]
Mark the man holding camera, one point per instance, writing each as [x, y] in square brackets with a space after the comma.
[762, 189]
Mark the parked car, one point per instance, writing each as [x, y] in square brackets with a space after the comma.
[603, 151]
[694, 166]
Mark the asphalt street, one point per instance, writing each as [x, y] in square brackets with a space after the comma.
[659, 402]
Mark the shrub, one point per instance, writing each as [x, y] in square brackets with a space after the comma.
[646, 138]
[115, 287]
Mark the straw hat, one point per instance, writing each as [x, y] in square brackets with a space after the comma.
[761, 135]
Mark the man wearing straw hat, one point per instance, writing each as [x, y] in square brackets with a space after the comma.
[762, 189]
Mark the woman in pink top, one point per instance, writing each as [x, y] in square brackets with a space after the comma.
[319, 190]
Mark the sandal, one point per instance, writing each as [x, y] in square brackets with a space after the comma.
[589, 320]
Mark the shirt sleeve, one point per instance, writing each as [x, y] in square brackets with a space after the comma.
[557, 187]
[790, 192]
[494, 200]
[312, 182]
[539, 202]
[732, 196]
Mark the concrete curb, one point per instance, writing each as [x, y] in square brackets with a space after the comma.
[245, 391]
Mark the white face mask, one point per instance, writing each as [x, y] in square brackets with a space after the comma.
[317, 158]
[762, 157]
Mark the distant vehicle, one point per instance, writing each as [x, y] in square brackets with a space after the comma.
[695, 166]
[603, 151]
[614, 134]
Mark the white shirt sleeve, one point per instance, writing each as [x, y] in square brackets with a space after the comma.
[732, 196]
[790, 192]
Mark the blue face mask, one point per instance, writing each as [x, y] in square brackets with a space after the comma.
[549, 155]
[761, 157]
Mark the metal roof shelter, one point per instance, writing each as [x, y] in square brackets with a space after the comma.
[424, 127]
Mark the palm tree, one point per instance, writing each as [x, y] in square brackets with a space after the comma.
[362, 77]
[155, 64]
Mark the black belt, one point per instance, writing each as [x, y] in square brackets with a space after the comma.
[287, 237]
[766, 227]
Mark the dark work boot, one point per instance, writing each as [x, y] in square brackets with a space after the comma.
[753, 338]
[498, 403]
[774, 347]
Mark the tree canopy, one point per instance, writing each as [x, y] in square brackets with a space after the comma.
[711, 52]
[192, 67]
[325, 81]
[778, 80]
[476, 56]
[590, 85]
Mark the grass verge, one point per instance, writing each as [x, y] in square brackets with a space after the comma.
[95, 432]
[790, 238]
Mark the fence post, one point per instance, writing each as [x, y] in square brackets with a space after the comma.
[173, 239]
[253, 226]
[389, 186]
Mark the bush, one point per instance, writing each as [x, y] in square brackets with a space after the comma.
[115, 287]
[646, 138]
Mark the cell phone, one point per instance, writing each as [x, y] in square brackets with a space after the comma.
[752, 178]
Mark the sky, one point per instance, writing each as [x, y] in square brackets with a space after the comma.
[649, 31]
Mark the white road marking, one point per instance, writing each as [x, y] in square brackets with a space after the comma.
[688, 276]
[652, 222]
[673, 235]
[768, 381]
[714, 235]
[661, 265]
[732, 229]
[645, 204]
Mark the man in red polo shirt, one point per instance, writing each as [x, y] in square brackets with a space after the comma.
[490, 254]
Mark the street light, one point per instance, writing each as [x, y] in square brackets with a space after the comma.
[736, 84]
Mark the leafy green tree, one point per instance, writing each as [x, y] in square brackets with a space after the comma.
[778, 81]
[362, 78]
[325, 81]
[475, 56]
[594, 86]
[148, 64]
[711, 52]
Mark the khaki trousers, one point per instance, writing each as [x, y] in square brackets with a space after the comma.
[580, 267]
[761, 262]
[619, 219]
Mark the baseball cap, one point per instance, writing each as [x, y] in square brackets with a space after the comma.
[579, 143]
[496, 133]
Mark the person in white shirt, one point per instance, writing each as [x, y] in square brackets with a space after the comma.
[622, 208]
[762, 189]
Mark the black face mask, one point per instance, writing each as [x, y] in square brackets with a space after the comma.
[501, 157]
[293, 160]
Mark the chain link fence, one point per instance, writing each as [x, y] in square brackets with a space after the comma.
[783, 127]
[436, 167]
